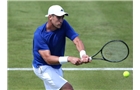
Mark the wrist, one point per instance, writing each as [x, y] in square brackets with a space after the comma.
[82, 52]
[63, 59]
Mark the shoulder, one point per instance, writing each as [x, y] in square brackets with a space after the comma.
[65, 22]
[40, 28]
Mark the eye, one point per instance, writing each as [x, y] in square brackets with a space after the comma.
[59, 17]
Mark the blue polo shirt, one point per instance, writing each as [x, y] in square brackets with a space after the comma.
[52, 40]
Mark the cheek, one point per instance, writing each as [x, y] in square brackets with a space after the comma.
[54, 20]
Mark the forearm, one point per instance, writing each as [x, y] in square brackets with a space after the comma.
[54, 60]
[79, 44]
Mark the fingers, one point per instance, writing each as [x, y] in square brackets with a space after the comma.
[85, 59]
[78, 61]
[75, 60]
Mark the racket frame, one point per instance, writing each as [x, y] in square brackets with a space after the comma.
[103, 58]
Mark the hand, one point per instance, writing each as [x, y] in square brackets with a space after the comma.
[85, 59]
[74, 60]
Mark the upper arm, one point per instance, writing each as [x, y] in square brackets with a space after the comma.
[44, 53]
[76, 40]
[39, 43]
[50, 59]
[41, 46]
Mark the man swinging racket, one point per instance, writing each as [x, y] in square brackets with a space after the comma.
[49, 47]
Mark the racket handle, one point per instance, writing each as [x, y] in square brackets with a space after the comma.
[90, 58]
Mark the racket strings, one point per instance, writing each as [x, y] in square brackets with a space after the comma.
[115, 51]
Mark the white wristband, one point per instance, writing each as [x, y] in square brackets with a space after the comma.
[63, 59]
[82, 52]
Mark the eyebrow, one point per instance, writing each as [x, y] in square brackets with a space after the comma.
[60, 16]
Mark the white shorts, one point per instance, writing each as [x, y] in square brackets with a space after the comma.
[52, 78]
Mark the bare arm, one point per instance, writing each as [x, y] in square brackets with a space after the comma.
[50, 59]
[79, 44]
[80, 47]
[54, 60]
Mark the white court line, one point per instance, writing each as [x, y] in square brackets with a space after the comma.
[72, 69]
[70, 0]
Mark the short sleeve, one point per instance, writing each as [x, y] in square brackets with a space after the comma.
[39, 43]
[70, 32]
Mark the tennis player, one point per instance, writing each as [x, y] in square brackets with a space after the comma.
[49, 46]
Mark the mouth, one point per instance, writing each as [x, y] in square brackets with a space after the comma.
[59, 25]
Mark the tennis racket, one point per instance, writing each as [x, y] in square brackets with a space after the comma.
[112, 51]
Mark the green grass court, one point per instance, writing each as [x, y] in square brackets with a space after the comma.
[97, 22]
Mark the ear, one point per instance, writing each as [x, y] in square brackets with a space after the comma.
[50, 17]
